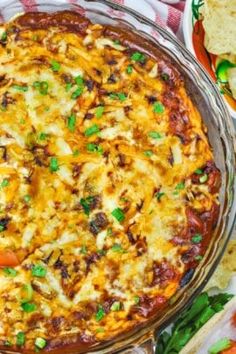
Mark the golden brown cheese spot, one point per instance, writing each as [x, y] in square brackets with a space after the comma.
[108, 189]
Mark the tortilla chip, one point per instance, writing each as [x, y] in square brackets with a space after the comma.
[226, 268]
[219, 22]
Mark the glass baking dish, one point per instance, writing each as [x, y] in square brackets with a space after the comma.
[221, 135]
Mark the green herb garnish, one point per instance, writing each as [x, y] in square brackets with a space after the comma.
[27, 293]
[79, 80]
[118, 96]
[198, 171]
[42, 87]
[55, 66]
[138, 57]
[54, 167]
[83, 250]
[148, 153]
[158, 108]
[71, 123]
[68, 86]
[196, 4]
[99, 111]
[4, 36]
[197, 238]
[129, 69]
[118, 214]
[94, 129]
[42, 136]
[100, 313]
[94, 148]
[180, 186]
[20, 339]
[5, 183]
[40, 343]
[20, 88]
[10, 272]
[117, 248]
[86, 204]
[203, 178]
[154, 135]
[27, 198]
[39, 271]
[159, 195]
[28, 307]
[78, 92]
[116, 306]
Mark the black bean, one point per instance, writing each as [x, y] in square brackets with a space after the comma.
[187, 277]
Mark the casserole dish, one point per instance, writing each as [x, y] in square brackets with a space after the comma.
[222, 145]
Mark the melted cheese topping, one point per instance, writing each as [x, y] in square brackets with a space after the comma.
[94, 184]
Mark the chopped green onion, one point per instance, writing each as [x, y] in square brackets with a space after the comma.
[77, 93]
[198, 258]
[20, 339]
[197, 238]
[27, 293]
[5, 183]
[68, 86]
[117, 248]
[116, 306]
[55, 66]
[86, 203]
[219, 346]
[159, 195]
[42, 136]
[4, 36]
[39, 271]
[120, 96]
[71, 123]
[42, 86]
[129, 69]
[10, 272]
[180, 186]
[138, 57]
[27, 198]
[94, 129]
[158, 108]
[79, 80]
[99, 111]
[165, 77]
[198, 171]
[28, 307]
[40, 343]
[148, 153]
[136, 300]
[94, 148]
[54, 167]
[203, 178]
[76, 153]
[100, 313]
[20, 88]
[118, 214]
[83, 250]
[154, 135]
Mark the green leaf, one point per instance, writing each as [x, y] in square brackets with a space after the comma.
[71, 123]
[55, 66]
[196, 4]
[94, 129]
[138, 57]
[100, 313]
[20, 339]
[39, 271]
[118, 214]
[54, 166]
[10, 272]
[158, 108]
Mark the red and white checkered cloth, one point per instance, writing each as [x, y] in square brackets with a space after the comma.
[167, 13]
